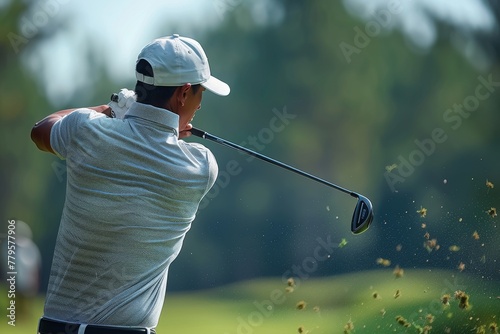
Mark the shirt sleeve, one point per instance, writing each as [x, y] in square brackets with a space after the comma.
[63, 131]
[211, 165]
[213, 171]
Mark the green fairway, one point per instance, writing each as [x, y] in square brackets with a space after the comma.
[370, 300]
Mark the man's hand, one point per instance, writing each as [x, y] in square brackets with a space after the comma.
[186, 131]
[104, 109]
[121, 102]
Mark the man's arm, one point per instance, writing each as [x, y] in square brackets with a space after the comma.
[40, 133]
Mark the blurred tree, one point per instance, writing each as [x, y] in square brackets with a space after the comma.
[25, 173]
[23, 169]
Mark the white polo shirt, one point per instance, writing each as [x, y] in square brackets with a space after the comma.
[133, 189]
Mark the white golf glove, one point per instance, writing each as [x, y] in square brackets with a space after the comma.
[121, 102]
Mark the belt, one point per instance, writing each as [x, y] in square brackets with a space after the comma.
[47, 326]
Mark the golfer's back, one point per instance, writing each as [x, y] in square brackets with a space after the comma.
[132, 192]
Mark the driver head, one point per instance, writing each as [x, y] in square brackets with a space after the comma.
[363, 215]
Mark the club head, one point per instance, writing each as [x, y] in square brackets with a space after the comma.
[363, 215]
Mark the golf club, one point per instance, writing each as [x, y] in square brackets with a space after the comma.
[363, 213]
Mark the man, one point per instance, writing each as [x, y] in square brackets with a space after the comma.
[133, 189]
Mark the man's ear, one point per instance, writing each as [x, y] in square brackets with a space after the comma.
[182, 93]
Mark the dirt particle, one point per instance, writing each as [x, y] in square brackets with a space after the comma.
[445, 299]
[398, 272]
[348, 327]
[342, 243]
[492, 212]
[463, 299]
[301, 305]
[383, 262]
[390, 168]
[422, 212]
[431, 245]
[402, 321]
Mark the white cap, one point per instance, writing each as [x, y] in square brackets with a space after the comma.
[179, 60]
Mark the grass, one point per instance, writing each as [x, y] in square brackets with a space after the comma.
[262, 306]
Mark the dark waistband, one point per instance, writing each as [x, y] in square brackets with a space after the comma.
[48, 326]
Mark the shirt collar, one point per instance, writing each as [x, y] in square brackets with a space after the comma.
[161, 116]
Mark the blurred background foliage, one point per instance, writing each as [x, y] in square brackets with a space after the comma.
[350, 117]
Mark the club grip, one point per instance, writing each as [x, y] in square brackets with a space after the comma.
[198, 133]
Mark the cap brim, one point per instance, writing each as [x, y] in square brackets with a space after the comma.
[217, 86]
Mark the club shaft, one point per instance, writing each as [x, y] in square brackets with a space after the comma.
[208, 136]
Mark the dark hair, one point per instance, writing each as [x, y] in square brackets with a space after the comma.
[154, 95]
